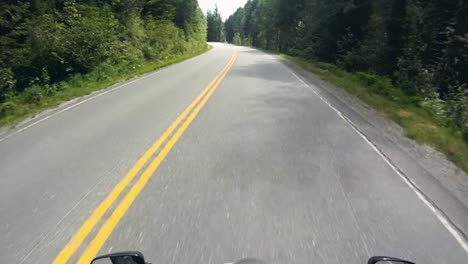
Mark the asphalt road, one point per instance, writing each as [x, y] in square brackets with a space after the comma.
[265, 169]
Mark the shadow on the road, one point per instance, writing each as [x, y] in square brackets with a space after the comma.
[267, 69]
[252, 51]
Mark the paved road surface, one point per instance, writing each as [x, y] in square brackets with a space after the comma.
[266, 169]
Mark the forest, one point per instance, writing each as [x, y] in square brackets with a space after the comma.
[53, 47]
[407, 59]
[421, 45]
[411, 53]
[215, 26]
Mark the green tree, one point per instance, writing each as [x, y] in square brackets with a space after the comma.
[237, 39]
[422, 45]
[46, 41]
[215, 24]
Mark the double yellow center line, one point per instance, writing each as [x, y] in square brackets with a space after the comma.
[179, 126]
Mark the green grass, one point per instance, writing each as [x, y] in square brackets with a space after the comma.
[419, 122]
[40, 98]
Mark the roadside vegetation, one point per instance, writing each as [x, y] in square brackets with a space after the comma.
[55, 50]
[421, 120]
[215, 26]
[406, 58]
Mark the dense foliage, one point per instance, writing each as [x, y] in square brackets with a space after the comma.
[422, 45]
[46, 41]
[215, 26]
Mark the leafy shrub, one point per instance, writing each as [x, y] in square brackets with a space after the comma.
[438, 110]
[458, 108]
[50, 89]
[7, 108]
[367, 79]
[127, 54]
[33, 95]
[237, 40]
[7, 84]
[48, 53]
[52, 49]
[91, 38]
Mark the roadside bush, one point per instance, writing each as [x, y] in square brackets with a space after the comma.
[7, 84]
[55, 50]
[48, 62]
[50, 89]
[165, 41]
[237, 40]
[458, 108]
[127, 55]
[7, 108]
[33, 95]
[438, 110]
[91, 38]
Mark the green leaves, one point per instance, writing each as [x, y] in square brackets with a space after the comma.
[46, 42]
[215, 25]
[7, 84]
[422, 46]
[91, 39]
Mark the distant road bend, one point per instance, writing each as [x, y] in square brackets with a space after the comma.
[227, 155]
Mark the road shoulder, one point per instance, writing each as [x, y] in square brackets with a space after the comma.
[437, 177]
[25, 122]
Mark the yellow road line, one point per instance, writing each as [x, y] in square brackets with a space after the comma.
[75, 242]
[106, 230]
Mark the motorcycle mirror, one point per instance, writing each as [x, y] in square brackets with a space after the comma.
[131, 257]
[387, 260]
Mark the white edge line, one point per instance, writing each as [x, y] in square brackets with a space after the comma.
[99, 93]
[446, 222]
[75, 105]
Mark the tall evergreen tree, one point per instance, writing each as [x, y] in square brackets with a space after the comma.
[421, 45]
[215, 26]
